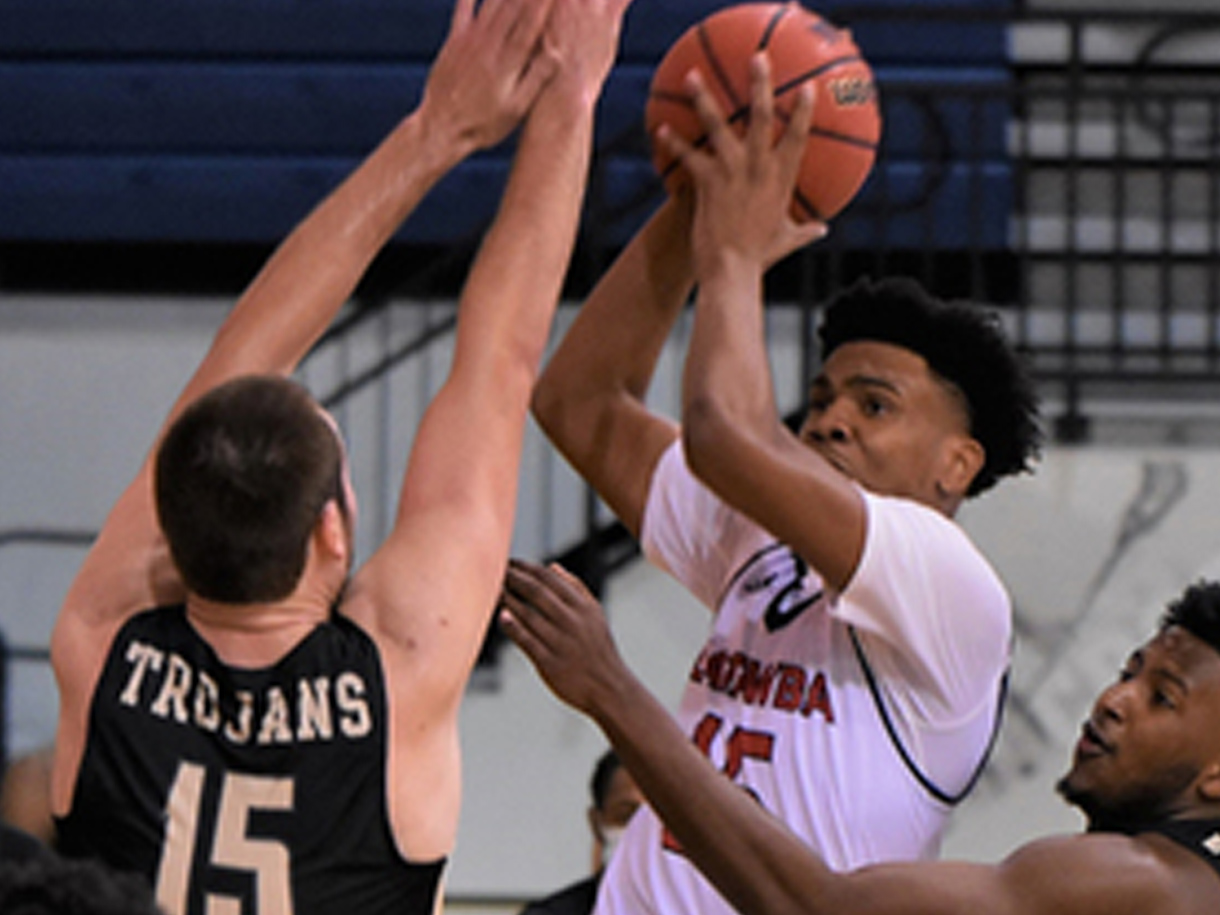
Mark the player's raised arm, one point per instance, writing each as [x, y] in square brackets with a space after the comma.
[427, 595]
[456, 512]
[484, 79]
[590, 400]
[735, 441]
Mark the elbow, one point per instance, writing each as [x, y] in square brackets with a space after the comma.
[706, 433]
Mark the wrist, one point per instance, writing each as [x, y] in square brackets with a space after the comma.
[568, 97]
[612, 692]
[441, 142]
[728, 267]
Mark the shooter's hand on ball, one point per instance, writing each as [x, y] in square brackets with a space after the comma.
[554, 619]
[743, 186]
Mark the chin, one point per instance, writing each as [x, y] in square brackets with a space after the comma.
[1118, 812]
[1072, 793]
[1076, 792]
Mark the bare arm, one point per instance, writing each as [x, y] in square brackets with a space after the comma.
[590, 399]
[483, 81]
[756, 862]
[428, 594]
[735, 441]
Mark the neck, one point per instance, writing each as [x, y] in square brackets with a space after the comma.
[1131, 825]
[254, 635]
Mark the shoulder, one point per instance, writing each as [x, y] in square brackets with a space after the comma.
[1102, 872]
[907, 538]
[917, 518]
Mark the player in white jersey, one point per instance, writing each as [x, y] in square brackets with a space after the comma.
[1145, 773]
[853, 676]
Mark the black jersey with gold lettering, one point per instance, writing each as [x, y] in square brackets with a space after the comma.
[260, 792]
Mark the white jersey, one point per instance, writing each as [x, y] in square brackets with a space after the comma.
[857, 718]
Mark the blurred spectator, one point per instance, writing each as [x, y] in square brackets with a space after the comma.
[615, 798]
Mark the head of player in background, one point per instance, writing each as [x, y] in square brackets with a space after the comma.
[1150, 749]
[615, 797]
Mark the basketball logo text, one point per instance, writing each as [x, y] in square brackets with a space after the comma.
[852, 91]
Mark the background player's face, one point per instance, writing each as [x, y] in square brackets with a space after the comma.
[878, 414]
[623, 798]
[1152, 742]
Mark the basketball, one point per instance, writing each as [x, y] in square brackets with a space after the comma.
[802, 47]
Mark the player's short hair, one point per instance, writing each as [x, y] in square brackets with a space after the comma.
[241, 478]
[964, 345]
[1197, 611]
[603, 774]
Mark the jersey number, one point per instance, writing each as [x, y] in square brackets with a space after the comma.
[266, 859]
[741, 745]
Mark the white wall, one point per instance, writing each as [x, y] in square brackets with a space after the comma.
[85, 385]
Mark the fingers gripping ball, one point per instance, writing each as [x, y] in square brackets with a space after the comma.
[802, 47]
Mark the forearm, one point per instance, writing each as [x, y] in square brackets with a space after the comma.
[727, 391]
[510, 295]
[616, 340]
[758, 865]
[468, 447]
[315, 270]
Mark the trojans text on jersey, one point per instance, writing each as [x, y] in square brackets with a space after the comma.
[165, 685]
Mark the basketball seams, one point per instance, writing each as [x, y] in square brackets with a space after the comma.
[805, 204]
[717, 68]
[842, 138]
[765, 39]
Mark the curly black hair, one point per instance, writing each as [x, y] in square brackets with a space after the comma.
[1197, 611]
[964, 344]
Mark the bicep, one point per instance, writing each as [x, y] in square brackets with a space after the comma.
[1062, 875]
[426, 598]
[429, 590]
[1072, 875]
[126, 571]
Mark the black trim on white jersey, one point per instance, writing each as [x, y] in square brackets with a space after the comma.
[928, 785]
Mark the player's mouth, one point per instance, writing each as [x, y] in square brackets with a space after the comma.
[834, 460]
[1091, 744]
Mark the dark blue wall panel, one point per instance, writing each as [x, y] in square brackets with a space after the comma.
[226, 120]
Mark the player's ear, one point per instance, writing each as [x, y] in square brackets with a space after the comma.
[331, 530]
[1209, 781]
[962, 459]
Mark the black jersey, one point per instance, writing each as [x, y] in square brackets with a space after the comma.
[261, 789]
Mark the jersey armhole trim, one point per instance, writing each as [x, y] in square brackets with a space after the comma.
[918, 774]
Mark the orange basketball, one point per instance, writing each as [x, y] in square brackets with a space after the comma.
[802, 47]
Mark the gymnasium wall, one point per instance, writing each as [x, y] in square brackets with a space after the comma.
[1091, 546]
